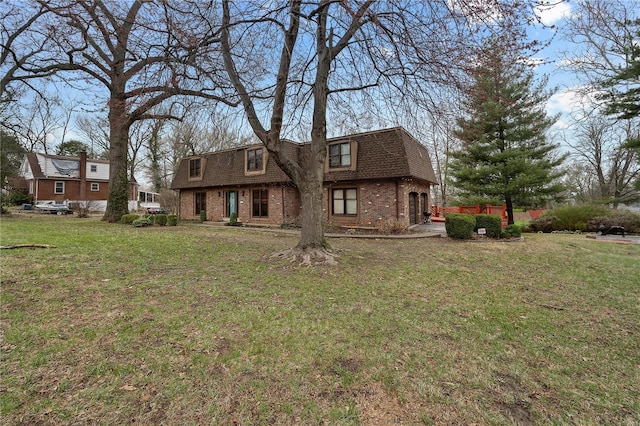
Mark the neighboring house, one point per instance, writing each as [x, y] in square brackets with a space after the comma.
[369, 178]
[69, 180]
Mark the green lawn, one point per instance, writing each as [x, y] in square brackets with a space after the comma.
[195, 325]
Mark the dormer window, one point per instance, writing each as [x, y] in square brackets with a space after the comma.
[254, 159]
[340, 155]
[195, 168]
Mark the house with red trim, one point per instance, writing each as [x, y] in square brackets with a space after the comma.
[69, 180]
[369, 178]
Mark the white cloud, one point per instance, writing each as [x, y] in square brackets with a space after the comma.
[554, 12]
[573, 102]
[563, 102]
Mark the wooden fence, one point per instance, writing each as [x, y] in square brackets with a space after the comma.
[438, 213]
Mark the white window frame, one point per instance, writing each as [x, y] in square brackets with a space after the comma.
[94, 168]
[95, 186]
[55, 187]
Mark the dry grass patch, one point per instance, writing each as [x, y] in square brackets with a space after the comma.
[194, 325]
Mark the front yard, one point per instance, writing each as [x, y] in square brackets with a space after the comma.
[195, 325]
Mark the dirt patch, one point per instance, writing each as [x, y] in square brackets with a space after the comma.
[519, 412]
[376, 406]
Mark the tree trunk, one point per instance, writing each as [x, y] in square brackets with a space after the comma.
[509, 204]
[312, 234]
[118, 201]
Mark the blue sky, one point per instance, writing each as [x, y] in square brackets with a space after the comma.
[562, 102]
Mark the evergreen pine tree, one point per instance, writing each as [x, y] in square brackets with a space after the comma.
[504, 151]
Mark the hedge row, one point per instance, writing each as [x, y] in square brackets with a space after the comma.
[462, 226]
[149, 219]
[584, 218]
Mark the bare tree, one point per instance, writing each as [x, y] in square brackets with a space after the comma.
[34, 123]
[327, 49]
[96, 134]
[141, 52]
[598, 143]
[202, 130]
[20, 42]
[604, 53]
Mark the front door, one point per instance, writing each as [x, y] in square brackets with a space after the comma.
[231, 203]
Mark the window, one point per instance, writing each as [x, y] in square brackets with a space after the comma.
[95, 187]
[340, 155]
[59, 188]
[345, 201]
[201, 202]
[94, 168]
[260, 203]
[195, 167]
[254, 159]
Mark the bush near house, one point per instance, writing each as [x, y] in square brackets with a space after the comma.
[128, 219]
[393, 226]
[160, 219]
[16, 199]
[142, 222]
[491, 222]
[233, 219]
[460, 226]
[172, 220]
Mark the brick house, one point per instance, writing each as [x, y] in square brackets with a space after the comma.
[369, 178]
[68, 180]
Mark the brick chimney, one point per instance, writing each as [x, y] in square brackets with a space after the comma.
[83, 176]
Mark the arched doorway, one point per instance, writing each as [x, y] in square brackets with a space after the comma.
[413, 208]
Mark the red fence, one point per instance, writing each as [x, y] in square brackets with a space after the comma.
[437, 211]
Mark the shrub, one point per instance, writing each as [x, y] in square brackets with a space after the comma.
[459, 225]
[128, 219]
[512, 231]
[139, 223]
[393, 226]
[160, 219]
[575, 218]
[17, 198]
[233, 219]
[172, 219]
[543, 223]
[626, 218]
[491, 222]
[203, 215]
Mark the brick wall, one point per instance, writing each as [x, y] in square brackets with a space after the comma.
[284, 204]
[46, 190]
[377, 202]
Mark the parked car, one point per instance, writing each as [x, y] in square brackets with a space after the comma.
[156, 210]
[53, 208]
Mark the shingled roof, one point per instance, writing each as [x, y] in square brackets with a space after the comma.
[382, 154]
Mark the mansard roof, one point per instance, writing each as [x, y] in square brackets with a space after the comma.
[381, 154]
